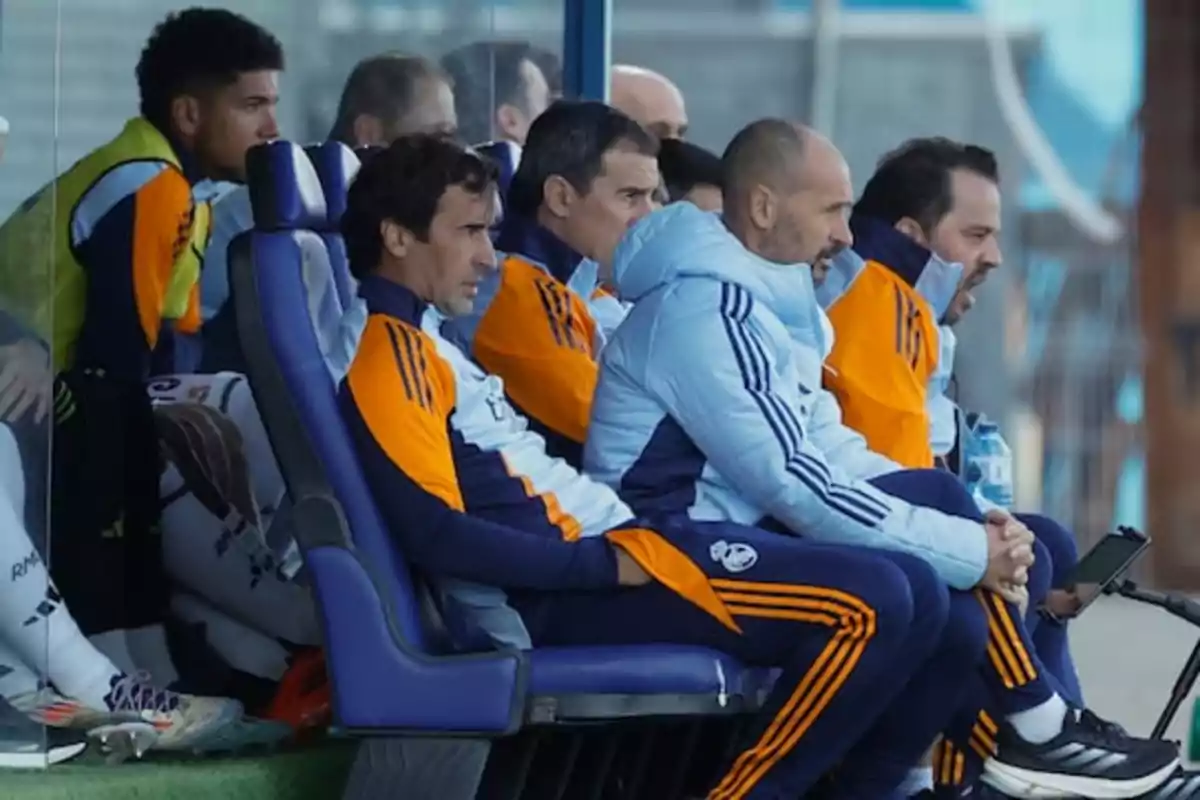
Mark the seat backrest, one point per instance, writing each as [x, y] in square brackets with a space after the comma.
[296, 394]
[336, 166]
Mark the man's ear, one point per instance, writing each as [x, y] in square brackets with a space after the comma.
[508, 122]
[763, 206]
[397, 240]
[558, 196]
[186, 114]
[913, 230]
[368, 130]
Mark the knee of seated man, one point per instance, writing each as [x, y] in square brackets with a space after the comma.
[1041, 574]
[931, 488]
[908, 592]
[1058, 541]
[966, 632]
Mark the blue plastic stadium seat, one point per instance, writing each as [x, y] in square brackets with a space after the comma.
[336, 166]
[387, 673]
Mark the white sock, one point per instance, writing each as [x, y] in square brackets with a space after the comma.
[1041, 723]
[34, 623]
[112, 645]
[916, 781]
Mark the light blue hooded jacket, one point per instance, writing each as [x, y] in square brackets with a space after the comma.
[709, 402]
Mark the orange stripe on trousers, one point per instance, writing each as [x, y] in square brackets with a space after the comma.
[814, 692]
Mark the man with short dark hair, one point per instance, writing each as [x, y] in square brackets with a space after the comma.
[385, 97]
[710, 404]
[926, 234]
[588, 172]
[690, 173]
[499, 90]
[471, 494]
[119, 237]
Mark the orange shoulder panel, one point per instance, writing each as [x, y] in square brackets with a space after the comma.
[539, 337]
[885, 349]
[405, 394]
[163, 210]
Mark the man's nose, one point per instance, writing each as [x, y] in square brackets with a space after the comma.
[992, 257]
[644, 207]
[270, 129]
[485, 260]
[842, 236]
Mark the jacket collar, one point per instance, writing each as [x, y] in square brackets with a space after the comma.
[523, 236]
[933, 278]
[384, 296]
[189, 165]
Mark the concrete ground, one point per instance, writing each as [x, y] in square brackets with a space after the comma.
[1128, 656]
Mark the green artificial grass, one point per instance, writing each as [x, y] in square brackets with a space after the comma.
[309, 773]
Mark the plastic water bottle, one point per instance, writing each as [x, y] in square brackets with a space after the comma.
[989, 465]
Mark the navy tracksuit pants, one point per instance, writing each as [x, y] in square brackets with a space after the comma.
[861, 637]
[1028, 658]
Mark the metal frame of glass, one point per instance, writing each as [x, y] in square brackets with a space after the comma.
[587, 48]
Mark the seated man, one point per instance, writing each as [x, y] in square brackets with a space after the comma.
[926, 233]
[709, 404]
[386, 96]
[48, 668]
[119, 236]
[471, 494]
[499, 90]
[537, 324]
[691, 173]
[651, 99]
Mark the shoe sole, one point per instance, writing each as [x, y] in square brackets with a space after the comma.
[41, 758]
[195, 738]
[243, 734]
[1029, 784]
[125, 740]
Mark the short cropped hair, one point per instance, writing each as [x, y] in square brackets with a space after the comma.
[685, 165]
[486, 76]
[762, 152]
[385, 86]
[404, 182]
[198, 49]
[570, 140]
[914, 180]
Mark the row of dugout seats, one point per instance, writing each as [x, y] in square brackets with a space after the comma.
[395, 682]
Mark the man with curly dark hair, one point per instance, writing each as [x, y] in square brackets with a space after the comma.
[98, 267]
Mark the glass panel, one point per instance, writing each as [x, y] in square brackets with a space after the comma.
[63, 103]
[457, 33]
[29, 47]
[1051, 347]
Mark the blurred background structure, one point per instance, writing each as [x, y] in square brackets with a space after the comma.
[1083, 345]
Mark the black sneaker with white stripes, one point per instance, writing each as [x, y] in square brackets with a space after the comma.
[1183, 785]
[1089, 758]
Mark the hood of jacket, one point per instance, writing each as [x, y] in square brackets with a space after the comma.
[681, 242]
